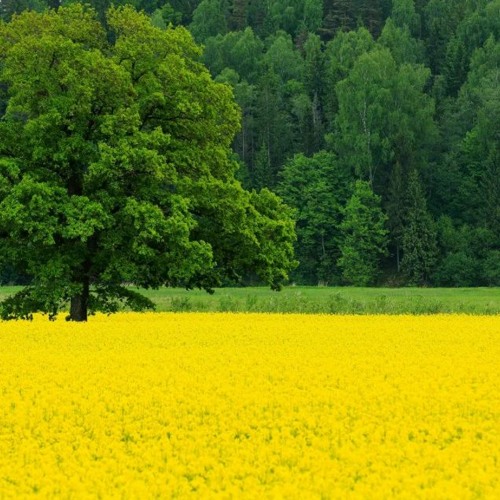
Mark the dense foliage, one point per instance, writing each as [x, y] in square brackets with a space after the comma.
[401, 94]
[115, 167]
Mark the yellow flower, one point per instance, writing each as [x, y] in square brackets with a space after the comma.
[250, 406]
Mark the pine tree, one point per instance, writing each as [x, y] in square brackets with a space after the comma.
[313, 82]
[239, 14]
[418, 235]
[395, 211]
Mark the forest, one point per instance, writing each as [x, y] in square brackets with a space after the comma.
[377, 122]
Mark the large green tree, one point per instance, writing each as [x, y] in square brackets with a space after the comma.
[364, 237]
[341, 54]
[384, 117]
[478, 155]
[209, 19]
[319, 189]
[115, 167]
[404, 48]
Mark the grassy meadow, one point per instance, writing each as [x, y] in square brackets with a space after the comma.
[324, 300]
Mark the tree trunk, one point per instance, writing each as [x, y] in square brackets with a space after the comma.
[79, 304]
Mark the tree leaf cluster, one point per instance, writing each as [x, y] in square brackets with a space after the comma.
[115, 167]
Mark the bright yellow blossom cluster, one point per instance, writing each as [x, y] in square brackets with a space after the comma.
[251, 406]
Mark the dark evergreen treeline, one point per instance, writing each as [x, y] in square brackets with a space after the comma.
[378, 121]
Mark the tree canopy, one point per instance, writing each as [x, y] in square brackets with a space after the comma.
[116, 168]
[334, 92]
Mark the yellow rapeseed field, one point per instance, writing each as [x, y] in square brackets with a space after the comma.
[251, 406]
